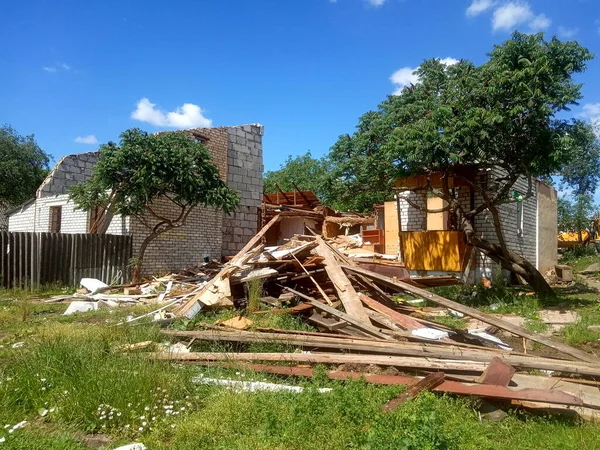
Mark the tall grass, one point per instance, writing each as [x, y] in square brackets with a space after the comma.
[76, 376]
[254, 292]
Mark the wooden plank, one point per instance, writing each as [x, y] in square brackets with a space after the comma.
[497, 373]
[191, 308]
[397, 348]
[471, 312]
[366, 327]
[346, 292]
[431, 381]
[404, 321]
[557, 396]
[328, 358]
[323, 294]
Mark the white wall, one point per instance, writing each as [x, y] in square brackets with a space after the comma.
[36, 217]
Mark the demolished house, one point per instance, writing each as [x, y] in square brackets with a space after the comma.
[208, 233]
[405, 240]
[433, 244]
[370, 326]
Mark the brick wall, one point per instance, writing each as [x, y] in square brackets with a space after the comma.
[237, 153]
[182, 247]
[244, 159]
[525, 243]
[69, 171]
[412, 218]
[35, 216]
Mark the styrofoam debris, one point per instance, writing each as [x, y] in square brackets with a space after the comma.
[107, 304]
[455, 313]
[430, 333]
[134, 446]
[76, 307]
[178, 348]
[416, 301]
[480, 332]
[252, 386]
[92, 284]
[150, 289]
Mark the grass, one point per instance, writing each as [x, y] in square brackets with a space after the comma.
[254, 292]
[69, 380]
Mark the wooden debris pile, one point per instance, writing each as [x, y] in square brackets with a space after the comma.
[170, 289]
[362, 325]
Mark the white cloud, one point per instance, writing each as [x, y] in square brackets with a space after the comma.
[566, 32]
[515, 13]
[508, 16]
[405, 76]
[591, 109]
[478, 7]
[186, 116]
[56, 67]
[592, 112]
[539, 23]
[89, 139]
[376, 3]
[449, 61]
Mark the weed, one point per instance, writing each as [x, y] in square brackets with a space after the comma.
[254, 292]
[536, 326]
[452, 322]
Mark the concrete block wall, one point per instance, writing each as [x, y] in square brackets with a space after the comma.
[245, 166]
[69, 171]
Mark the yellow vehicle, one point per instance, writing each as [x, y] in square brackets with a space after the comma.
[581, 238]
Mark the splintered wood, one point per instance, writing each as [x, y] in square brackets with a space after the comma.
[361, 324]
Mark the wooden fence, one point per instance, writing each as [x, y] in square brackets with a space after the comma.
[29, 260]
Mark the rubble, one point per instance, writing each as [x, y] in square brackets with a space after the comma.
[361, 322]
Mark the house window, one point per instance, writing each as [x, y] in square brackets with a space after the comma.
[96, 218]
[55, 219]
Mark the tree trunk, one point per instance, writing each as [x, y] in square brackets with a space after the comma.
[137, 267]
[508, 260]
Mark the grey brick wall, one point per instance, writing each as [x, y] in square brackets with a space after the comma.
[525, 243]
[69, 171]
[181, 247]
[245, 165]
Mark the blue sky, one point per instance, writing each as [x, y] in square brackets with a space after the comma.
[77, 73]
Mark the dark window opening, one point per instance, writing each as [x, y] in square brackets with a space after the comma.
[96, 218]
[55, 219]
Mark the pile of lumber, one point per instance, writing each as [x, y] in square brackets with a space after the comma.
[362, 325]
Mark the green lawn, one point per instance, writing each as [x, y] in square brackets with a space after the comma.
[69, 380]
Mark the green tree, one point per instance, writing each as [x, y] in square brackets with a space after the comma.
[144, 168]
[575, 215]
[23, 166]
[580, 174]
[303, 171]
[501, 114]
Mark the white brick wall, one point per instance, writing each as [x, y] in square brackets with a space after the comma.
[36, 217]
[413, 219]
